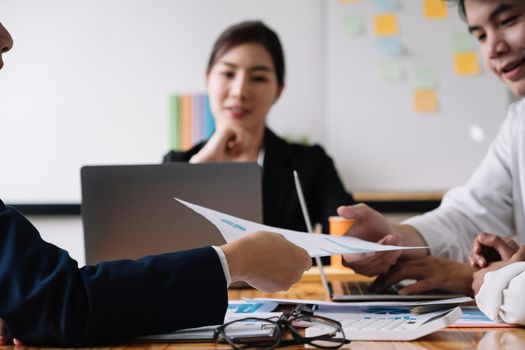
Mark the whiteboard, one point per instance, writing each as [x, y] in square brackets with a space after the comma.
[88, 82]
[379, 142]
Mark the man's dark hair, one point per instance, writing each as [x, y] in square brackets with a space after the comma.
[461, 7]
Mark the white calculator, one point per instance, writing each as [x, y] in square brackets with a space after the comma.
[391, 326]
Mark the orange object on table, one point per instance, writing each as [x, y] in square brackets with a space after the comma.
[338, 226]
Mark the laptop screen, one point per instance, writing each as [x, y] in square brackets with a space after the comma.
[129, 212]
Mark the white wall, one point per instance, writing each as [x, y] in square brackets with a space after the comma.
[88, 81]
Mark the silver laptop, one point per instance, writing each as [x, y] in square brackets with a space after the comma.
[360, 291]
[347, 291]
[129, 212]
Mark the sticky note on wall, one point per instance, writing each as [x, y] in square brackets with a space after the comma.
[435, 9]
[424, 78]
[391, 70]
[353, 24]
[466, 63]
[387, 5]
[386, 25]
[425, 101]
[390, 45]
[463, 41]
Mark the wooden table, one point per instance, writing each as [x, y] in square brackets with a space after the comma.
[310, 288]
[470, 338]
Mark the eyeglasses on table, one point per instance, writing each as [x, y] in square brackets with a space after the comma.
[262, 333]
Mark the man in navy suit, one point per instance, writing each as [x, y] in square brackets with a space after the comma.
[46, 299]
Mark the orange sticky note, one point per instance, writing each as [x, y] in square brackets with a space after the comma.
[386, 25]
[435, 9]
[425, 101]
[466, 63]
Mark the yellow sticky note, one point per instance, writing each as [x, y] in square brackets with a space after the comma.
[435, 9]
[425, 101]
[386, 25]
[466, 63]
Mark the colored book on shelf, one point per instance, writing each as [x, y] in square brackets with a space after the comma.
[191, 120]
[186, 122]
[197, 118]
[174, 122]
[208, 117]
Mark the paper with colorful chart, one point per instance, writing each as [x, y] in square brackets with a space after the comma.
[317, 245]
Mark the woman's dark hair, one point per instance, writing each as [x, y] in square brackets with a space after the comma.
[461, 7]
[250, 32]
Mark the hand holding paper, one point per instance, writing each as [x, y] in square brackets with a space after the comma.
[232, 228]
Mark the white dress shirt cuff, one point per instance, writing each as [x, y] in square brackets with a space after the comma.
[496, 297]
[224, 264]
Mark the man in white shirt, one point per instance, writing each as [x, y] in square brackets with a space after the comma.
[493, 200]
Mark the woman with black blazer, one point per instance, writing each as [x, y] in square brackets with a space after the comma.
[244, 78]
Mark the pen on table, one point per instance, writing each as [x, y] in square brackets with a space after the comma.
[424, 309]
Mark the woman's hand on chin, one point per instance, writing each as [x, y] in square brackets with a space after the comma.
[228, 143]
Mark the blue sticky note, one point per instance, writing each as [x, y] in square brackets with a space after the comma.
[387, 5]
[389, 46]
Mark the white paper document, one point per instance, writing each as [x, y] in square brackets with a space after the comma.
[317, 245]
[237, 309]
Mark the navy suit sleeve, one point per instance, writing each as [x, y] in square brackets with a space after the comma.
[46, 299]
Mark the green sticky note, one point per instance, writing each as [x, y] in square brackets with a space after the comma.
[353, 24]
[425, 78]
[391, 70]
[463, 42]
